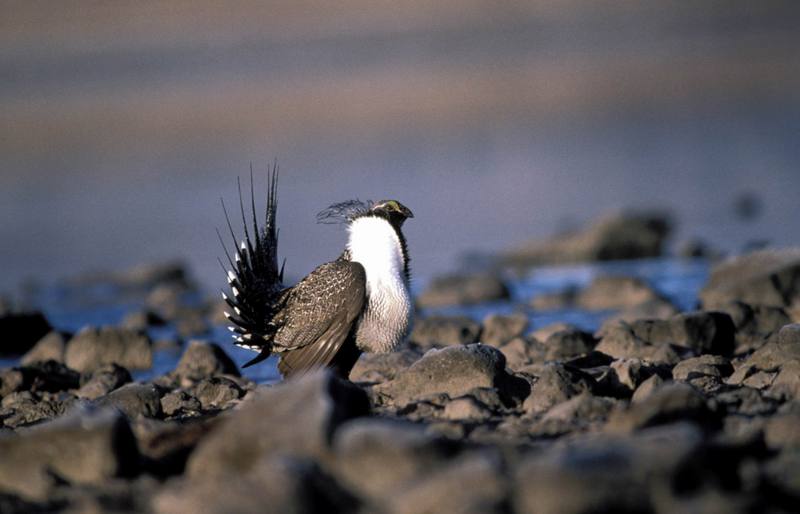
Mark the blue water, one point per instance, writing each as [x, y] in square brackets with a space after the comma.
[678, 279]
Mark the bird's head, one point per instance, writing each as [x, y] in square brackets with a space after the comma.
[392, 210]
[345, 212]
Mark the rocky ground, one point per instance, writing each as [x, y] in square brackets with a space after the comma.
[658, 411]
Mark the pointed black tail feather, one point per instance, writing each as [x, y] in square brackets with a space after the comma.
[255, 280]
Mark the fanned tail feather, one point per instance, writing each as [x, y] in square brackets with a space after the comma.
[254, 278]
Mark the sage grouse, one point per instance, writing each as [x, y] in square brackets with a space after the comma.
[357, 303]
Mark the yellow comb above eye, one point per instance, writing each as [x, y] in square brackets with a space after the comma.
[392, 205]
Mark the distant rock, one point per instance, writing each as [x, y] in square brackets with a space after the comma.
[298, 417]
[19, 332]
[768, 277]
[438, 331]
[142, 320]
[49, 348]
[499, 329]
[202, 360]
[570, 343]
[217, 393]
[48, 376]
[463, 290]
[617, 236]
[555, 300]
[180, 403]
[616, 292]
[92, 348]
[83, 448]
[754, 323]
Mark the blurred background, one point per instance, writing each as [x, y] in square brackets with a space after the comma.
[124, 122]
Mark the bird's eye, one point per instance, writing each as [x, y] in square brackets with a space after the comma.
[392, 205]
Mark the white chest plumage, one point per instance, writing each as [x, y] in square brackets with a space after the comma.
[386, 320]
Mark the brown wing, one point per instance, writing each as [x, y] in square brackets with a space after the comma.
[319, 315]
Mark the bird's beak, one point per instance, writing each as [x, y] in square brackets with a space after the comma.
[407, 212]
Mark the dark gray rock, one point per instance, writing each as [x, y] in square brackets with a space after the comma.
[85, 447]
[24, 408]
[466, 408]
[134, 400]
[473, 483]
[522, 351]
[624, 376]
[19, 332]
[746, 401]
[669, 403]
[769, 277]
[380, 367]
[555, 383]
[647, 388]
[217, 393]
[102, 381]
[783, 431]
[463, 290]
[499, 329]
[566, 344]
[438, 331]
[652, 309]
[782, 473]
[374, 457]
[190, 322]
[180, 403]
[297, 417]
[49, 376]
[202, 360]
[454, 371]
[618, 236]
[92, 348]
[274, 483]
[605, 473]
[616, 292]
[580, 412]
[49, 348]
[777, 364]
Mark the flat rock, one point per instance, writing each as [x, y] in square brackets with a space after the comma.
[92, 348]
[438, 331]
[85, 447]
[768, 277]
[49, 376]
[134, 400]
[628, 235]
[623, 340]
[499, 329]
[202, 360]
[705, 372]
[297, 417]
[19, 332]
[463, 290]
[102, 381]
[453, 371]
[49, 348]
[616, 292]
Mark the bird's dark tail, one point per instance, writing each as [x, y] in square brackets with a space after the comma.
[254, 278]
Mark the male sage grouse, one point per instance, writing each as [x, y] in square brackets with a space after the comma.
[359, 302]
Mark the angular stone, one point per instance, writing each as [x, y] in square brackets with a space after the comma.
[180, 403]
[554, 384]
[92, 348]
[103, 380]
[616, 292]
[566, 344]
[466, 408]
[297, 417]
[669, 403]
[217, 393]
